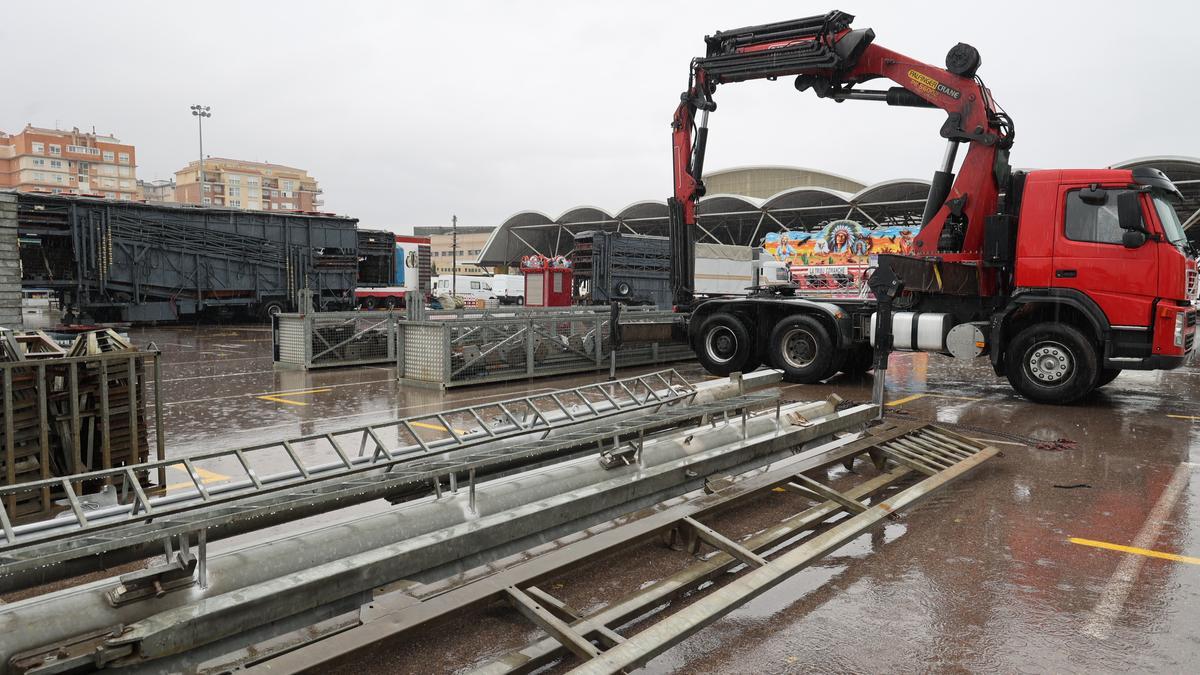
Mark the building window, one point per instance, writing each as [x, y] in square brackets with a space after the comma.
[56, 164]
[56, 191]
[108, 170]
[207, 201]
[286, 206]
[127, 184]
[254, 193]
[38, 161]
[287, 193]
[39, 176]
[108, 155]
[84, 167]
[235, 203]
[207, 187]
[235, 191]
[126, 196]
[124, 171]
[274, 207]
[235, 180]
[58, 178]
[55, 149]
[39, 148]
[123, 157]
[110, 195]
[252, 180]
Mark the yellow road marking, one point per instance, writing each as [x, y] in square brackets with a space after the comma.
[1136, 551]
[437, 427]
[914, 397]
[1185, 417]
[206, 476]
[277, 397]
[299, 391]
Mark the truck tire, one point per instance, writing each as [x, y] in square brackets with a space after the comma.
[390, 303]
[723, 345]
[1107, 375]
[1052, 363]
[801, 347]
[368, 303]
[269, 309]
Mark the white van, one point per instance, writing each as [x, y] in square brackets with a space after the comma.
[509, 288]
[472, 288]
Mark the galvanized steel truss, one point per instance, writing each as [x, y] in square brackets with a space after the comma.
[932, 455]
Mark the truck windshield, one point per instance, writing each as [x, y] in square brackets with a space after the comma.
[1170, 221]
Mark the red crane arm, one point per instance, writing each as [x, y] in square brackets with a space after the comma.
[827, 56]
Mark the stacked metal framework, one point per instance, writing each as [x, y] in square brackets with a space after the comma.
[134, 261]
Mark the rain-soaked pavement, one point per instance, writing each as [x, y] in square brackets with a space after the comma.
[982, 577]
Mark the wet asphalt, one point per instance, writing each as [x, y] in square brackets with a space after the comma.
[984, 576]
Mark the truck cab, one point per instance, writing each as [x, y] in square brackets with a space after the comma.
[1103, 253]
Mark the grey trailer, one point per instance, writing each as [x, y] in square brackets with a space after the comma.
[129, 261]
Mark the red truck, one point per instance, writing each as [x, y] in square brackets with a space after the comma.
[1063, 277]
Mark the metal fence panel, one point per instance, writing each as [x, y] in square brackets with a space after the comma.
[515, 345]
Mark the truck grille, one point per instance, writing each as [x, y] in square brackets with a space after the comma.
[1190, 339]
[1193, 285]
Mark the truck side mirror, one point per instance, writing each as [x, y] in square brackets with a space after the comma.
[1093, 196]
[1133, 238]
[1129, 212]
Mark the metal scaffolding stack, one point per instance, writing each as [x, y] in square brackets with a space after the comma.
[472, 490]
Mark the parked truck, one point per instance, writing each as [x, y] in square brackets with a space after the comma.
[509, 288]
[636, 269]
[392, 269]
[128, 261]
[1063, 278]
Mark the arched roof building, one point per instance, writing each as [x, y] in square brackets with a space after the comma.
[744, 204]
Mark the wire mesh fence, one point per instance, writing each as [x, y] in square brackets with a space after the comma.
[474, 350]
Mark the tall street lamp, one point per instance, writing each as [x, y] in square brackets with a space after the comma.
[200, 112]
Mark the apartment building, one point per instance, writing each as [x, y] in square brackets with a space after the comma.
[161, 190]
[68, 162]
[247, 185]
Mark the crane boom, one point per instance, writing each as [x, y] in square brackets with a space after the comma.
[826, 55]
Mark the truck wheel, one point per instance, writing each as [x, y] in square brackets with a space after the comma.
[369, 303]
[1052, 363]
[390, 303]
[1107, 375]
[723, 344]
[801, 348]
[269, 309]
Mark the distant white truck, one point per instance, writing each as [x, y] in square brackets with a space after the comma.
[509, 288]
[730, 270]
[470, 288]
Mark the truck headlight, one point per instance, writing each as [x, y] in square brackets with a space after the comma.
[1180, 323]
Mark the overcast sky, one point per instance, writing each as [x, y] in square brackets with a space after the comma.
[409, 112]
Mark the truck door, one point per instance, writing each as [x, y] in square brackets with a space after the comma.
[1089, 257]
